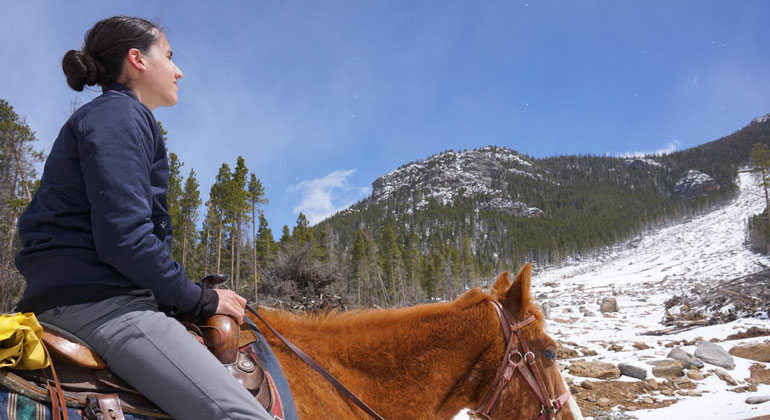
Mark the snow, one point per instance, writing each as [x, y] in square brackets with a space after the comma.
[762, 119]
[696, 253]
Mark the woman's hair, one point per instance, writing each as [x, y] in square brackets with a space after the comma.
[105, 48]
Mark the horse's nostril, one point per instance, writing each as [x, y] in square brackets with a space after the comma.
[550, 354]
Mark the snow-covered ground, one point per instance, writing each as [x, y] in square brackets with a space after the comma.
[697, 253]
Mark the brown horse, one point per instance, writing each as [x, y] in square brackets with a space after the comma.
[425, 362]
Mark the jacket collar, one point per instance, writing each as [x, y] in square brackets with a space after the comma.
[120, 88]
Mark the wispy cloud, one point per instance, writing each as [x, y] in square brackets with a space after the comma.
[671, 147]
[692, 84]
[322, 197]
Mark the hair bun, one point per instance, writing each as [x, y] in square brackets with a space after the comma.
[81, 69]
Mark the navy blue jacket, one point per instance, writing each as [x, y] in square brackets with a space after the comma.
[99, 220]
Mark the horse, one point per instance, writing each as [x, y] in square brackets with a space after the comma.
[426, 362]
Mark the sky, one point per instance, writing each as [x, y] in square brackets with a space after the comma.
[321, 98]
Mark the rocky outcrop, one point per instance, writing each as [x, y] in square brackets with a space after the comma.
[695, 183]
[642, 163]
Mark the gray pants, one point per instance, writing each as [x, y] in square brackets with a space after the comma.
[158, 357]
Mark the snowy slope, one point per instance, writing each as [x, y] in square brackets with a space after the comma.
[700, 252]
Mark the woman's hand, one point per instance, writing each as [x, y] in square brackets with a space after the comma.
[231, 304]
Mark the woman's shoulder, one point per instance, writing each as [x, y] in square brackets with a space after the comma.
[113, 109]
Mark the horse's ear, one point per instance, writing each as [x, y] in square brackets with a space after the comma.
[501, 285]
[518, 297]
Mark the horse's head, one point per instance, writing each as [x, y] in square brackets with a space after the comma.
[536, 386]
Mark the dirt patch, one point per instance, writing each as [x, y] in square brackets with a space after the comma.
[759, 374]
[604, 395]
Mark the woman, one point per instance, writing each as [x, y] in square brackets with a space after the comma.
[96, 237]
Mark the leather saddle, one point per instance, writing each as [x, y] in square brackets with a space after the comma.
[87, 383]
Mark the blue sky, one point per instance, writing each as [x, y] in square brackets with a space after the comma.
[322, 97]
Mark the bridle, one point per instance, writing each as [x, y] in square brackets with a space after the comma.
[525, 364]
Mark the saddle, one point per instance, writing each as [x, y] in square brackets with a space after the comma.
[87, 383]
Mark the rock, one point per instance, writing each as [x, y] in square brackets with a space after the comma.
[615, 347]
[668, 368]
[695, 375]
[546, 310]
[667, 392]
[605, 402]
[632, 371]
[594, 369]
[683, 380]
[587, 385]
[641, 346]
[754, 351]
[758, 400]
[609, 305]
[648, 400]
[695, 183]
[564, 352]
[723, 375]
[714, 354]
[588, 352]
[588, 313]
[687, 359]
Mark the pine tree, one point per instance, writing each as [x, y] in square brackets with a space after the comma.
[238, 205]
[302, 232]
[218, 207]
[285, 240]
[188, 209]
[256, 197]
[17, 185]
[173, 196]
[760, 156]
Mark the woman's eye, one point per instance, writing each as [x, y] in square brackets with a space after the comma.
[550, 354]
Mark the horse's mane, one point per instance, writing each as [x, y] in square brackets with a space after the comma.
[374, 318]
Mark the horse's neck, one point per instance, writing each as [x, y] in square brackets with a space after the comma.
[434, 361]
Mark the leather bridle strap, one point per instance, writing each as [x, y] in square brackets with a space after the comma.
[549, 408]
[313, 364]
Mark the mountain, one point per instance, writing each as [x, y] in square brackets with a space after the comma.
[497, 208]
[676, 269]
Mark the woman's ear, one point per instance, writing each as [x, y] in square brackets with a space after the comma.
[135, 60]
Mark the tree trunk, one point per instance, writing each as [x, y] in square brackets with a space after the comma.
[232, 261]
[207, 251]
[254, 240]
[238, 243]
[219, 247]
[184, 244]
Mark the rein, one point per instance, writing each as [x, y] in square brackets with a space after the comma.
[525, 364]
[313, 364]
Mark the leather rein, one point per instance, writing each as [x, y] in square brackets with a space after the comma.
[525, 364]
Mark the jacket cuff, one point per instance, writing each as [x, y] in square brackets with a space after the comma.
[207, 305]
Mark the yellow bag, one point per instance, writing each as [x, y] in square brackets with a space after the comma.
[20, 345]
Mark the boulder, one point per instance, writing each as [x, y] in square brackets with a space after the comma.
[723, 375]
[714, 354]
[667, 368]
[687, 359]
[594, 369]
[609, 305]
[758, 400]
[632, 371]
[754, 351]
[695, 375]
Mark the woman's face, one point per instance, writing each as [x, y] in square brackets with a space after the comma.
[159, 81]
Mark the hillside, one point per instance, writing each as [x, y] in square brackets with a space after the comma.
[458, 216]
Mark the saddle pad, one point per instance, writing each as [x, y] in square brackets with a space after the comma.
[18, 407]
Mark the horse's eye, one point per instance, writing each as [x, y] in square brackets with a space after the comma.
[550, 354]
